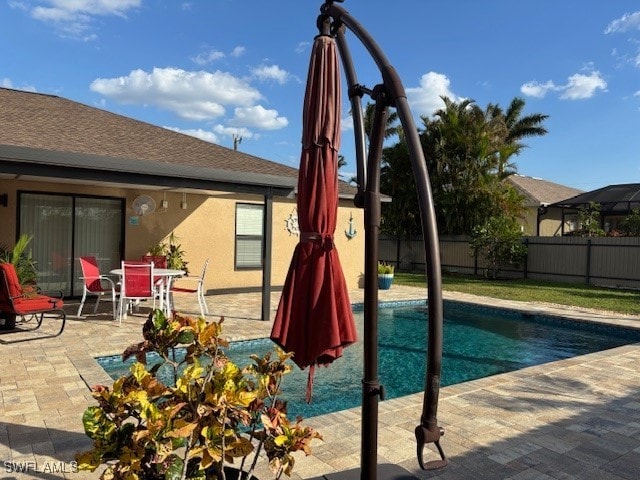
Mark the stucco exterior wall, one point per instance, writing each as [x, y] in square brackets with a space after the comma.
[205, 229]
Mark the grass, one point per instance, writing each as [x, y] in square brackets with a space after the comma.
[571, 294]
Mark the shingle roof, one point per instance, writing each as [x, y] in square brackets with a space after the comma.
[33, 122]
[540, 192]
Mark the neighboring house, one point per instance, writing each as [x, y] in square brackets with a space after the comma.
[615, 203]
[71, 175]
[538, 195]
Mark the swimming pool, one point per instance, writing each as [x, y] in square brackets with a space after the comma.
[479, 341]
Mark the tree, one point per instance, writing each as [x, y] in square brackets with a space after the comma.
[499, 241]
[391, 126]
[589, 219]
[469, 154]
[401, 216]
[631, 223]
[517, 127]
[466, 156]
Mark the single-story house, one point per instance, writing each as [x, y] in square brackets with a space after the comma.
[538, 195]
[83, 180]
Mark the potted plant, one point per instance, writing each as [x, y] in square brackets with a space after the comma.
[171, 252]
[385, 275]
[25, 268]
[214, 412]
[175, 255]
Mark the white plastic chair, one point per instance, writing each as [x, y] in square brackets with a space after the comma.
[198, 290]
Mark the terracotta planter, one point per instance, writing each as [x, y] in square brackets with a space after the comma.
[385, 280]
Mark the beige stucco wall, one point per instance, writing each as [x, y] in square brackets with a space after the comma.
[550, 224]
[205, 229]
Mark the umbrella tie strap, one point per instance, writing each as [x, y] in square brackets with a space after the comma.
[324, 240]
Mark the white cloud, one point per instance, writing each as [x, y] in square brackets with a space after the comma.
[302, 47]
[231, 131]
[346, 123]
[238, 51]
[191, 95]
[7, 83]
[538, 90]
[578, 87]
[207, 57]
[637, 94]
[629, 21]
[583, 86]
[259, 117]
[73, 18]
[272, 72]
[425, 99]
[206, 135]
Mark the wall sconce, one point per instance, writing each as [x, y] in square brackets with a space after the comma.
[4, 199]
[183, 204]
[165, 202]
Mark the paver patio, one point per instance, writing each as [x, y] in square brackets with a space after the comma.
[572, 419]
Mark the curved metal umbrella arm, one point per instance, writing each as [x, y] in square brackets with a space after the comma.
[355, 94]
[427, 431]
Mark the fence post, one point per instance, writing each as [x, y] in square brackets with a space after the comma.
[475, 262]
[588, 275]
[526, 258]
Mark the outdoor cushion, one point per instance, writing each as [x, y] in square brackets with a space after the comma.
[37, 303]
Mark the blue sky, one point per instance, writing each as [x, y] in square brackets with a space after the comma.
[218, 68]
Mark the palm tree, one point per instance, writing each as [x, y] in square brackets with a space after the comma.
[391, 127]
[517, 127]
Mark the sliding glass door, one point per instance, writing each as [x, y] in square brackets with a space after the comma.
[65, 227]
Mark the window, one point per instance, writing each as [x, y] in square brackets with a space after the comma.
[249, 235]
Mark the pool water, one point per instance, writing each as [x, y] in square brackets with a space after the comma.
[478, 342]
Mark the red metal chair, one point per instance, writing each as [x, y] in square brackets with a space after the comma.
[198, 290]
[96, 284]
[15, 302]
[137, 284]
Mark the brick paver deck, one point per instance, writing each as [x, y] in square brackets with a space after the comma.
[571, 419]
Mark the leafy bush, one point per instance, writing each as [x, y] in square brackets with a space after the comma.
[215, 411]
[21, 259]
[631, 224]
[499, 241]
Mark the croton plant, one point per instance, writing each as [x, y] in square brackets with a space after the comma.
[214, 412]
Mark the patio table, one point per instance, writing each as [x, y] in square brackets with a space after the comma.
[167, 276]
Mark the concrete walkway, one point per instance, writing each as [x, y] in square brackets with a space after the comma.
[571, 419]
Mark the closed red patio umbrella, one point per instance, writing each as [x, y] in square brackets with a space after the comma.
[314, 318]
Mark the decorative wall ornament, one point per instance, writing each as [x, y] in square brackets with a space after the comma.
[291, 223]
[352, 232]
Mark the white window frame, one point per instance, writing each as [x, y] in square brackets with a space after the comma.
[249, 232]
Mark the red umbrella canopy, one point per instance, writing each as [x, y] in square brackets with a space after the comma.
[314, 318]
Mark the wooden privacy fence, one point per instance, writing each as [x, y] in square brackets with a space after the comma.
[607, 261]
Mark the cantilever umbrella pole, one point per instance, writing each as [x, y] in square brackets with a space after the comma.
[428, 431]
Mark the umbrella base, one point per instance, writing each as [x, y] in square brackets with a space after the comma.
[386, 471]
